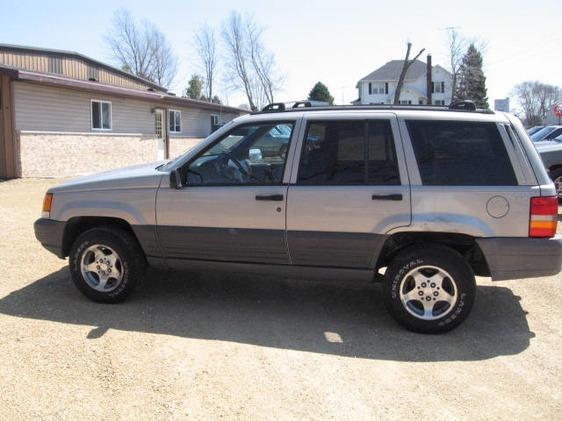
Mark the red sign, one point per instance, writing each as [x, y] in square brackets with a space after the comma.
[557, 109]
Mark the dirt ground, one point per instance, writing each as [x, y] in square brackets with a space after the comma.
[207, 347]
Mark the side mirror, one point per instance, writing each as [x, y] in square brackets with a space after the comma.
[175, 179]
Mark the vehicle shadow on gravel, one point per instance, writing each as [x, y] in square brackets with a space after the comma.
[325, 317]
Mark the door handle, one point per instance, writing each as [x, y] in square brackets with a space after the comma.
[395, 197]
[270, 197]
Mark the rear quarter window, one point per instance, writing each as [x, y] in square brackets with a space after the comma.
[460, 153]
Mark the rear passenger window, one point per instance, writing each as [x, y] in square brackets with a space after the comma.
[349, 152]
[460, 153]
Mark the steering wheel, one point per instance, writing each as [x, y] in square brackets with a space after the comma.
[227, 156]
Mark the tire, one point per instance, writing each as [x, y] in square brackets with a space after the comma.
[556, 177]
[440, 297]
[122, 264]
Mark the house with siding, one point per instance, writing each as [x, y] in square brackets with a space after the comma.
[423, 84]
[65, 114]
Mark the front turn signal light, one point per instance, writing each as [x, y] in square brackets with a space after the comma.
[47, 203]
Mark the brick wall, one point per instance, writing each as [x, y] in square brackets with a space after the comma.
[44, 154]
[71, 154]
[179, 145]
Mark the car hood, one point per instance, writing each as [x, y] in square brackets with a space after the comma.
[137, 176]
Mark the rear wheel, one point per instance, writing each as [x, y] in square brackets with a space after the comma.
[105, 264]
[429, 289]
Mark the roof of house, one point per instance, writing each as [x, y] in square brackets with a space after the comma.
[391, 71]
[55, 52]
[157, 96]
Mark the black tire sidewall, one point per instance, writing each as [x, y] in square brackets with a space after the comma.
[447, 259]
[118, 241]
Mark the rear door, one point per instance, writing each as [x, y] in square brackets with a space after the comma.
[349, 188]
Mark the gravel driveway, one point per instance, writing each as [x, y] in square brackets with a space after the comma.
[206, 347]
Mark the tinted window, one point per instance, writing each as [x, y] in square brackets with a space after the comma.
[348, 152]
[460, 153]
[251, 154]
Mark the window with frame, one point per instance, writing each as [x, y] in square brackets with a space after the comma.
[174, 119]
[251, 154]
[214, 119]
[438, 87]
[348, 152]
[439, 102]
[460, 153]
[101, 115]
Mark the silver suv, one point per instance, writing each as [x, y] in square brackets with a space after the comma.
[421, 199]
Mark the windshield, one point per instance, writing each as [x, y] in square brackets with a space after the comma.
[535, 137]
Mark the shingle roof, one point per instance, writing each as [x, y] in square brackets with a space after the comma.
[392, 69]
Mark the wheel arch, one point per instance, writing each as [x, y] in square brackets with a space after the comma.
[77, 225]
[465, 245]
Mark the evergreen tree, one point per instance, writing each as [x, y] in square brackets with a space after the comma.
[472, 82]
[195, 87]
[320, 92]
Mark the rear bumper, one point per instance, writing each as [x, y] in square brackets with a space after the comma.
[50, 235]
[518, 258]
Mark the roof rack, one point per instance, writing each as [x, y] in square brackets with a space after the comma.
[309, 106]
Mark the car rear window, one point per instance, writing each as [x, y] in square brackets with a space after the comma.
[460, 153]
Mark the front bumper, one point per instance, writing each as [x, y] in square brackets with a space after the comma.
[518, 258]
[50, 235]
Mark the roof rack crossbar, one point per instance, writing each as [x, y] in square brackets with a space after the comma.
[462, 106]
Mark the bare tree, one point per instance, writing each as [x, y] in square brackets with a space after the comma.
[263, 62]
[405, 67]
[164, 63]
[252, 67]
[536, 100]
[206, 47]
[236, 43]
[456, 47]
[141, 49]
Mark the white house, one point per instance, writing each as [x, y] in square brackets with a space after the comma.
[379, 86]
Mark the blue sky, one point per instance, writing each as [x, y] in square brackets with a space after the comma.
[337, 42]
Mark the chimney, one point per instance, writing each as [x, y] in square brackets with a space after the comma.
[429, 77]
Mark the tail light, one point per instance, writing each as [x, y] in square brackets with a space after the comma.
[544, 216]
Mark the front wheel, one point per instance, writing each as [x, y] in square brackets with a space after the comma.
[429, 289]
[105, 264]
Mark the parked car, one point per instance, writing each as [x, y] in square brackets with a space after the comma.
[533, 130]
[551, 155]
[422, 200]
[546, 133]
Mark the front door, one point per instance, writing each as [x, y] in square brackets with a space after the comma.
[349, 190]
[160, 130]
[232, 205]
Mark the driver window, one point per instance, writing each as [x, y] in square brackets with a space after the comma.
[249, 154]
